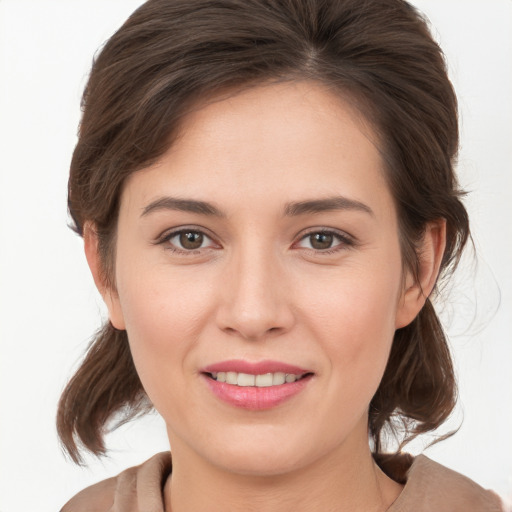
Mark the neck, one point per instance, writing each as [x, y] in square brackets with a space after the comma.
[344, 480]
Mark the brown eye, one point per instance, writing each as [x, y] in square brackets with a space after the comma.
[187, 241]
[321, 241]
[191, 240]
[325, 242]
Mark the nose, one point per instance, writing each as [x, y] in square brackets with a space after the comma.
[256, 302]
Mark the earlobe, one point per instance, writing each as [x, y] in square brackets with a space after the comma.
[416, 292]
[110, 296]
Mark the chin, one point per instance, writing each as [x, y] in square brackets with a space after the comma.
[265, 452]
[259, 462]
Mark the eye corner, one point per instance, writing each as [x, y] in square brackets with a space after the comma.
[179, 246]
[328, 241]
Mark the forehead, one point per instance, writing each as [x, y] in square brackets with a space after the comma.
[286, 141]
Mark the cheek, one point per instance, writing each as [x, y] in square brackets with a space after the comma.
[163, 313]
[355, 321]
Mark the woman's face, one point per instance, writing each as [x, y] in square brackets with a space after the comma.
[261, 249]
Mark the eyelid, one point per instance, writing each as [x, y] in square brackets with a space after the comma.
[346, 240]
[169, 234]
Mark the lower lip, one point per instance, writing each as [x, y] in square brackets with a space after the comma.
[253, 398]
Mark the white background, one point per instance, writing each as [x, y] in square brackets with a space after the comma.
[48, 305]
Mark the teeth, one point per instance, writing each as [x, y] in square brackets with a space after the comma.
[244, 379]
[278, 378]
[261, 381]
[231, 378]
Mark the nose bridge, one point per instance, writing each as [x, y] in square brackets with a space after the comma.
[255, 299]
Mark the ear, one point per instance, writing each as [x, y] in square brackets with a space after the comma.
[110, 296]
[415, 293]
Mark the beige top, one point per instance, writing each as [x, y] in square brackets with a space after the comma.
[429, 487]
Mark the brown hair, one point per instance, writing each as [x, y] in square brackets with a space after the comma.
[169, 55]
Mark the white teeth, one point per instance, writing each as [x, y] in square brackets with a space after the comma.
[264, 381]
[244, 379]
[231, 377]
[261, 381]
[278, 378]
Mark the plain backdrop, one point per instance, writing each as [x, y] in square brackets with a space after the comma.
[49, 307]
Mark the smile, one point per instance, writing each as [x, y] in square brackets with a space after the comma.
[264, 380]
[255, 386]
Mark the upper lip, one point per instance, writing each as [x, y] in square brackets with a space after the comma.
[254, 368]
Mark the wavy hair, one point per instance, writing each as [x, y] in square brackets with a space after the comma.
[171, 54]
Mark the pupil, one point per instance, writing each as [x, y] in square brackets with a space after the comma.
[191, 240]
[321, 240]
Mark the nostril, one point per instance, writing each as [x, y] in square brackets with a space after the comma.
[254, 321]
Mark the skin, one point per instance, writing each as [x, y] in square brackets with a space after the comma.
[260, 288]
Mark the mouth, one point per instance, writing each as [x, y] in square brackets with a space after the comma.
[262, 380]
[255, 386]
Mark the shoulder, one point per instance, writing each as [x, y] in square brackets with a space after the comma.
[137, 488]
[433, 487]
[96, 498]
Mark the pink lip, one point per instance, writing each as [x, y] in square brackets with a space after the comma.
[260, 368]
[251, 397]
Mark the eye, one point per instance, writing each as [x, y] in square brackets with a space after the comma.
[187, 240]
[324, 241]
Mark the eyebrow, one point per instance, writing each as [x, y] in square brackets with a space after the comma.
[291, 209]
[183, 205]
[325, 205]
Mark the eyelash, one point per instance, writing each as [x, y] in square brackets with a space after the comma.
[345, 241]
[167, 237]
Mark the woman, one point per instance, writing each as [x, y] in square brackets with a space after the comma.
[267, 199]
